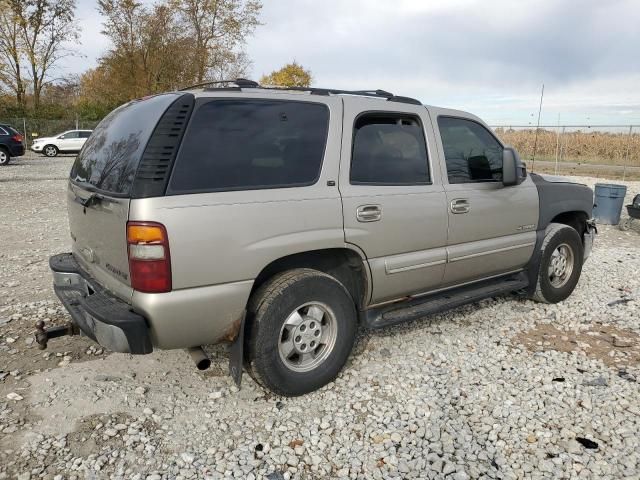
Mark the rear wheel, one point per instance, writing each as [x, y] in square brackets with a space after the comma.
[560, 265]
[50, 150]
[4, 156]
[302, 325]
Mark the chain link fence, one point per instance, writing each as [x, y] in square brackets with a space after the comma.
[611, 151]
[33, 128]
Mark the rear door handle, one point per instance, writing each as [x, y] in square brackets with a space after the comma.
[459, 205]
[369, 213]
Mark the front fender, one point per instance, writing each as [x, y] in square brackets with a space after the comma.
[557, 195]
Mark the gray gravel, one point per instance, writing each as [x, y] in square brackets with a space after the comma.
[505, 388]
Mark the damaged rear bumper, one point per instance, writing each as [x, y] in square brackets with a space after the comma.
[98, 314]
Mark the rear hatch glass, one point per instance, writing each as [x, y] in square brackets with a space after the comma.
[110, 157]
[100, 186]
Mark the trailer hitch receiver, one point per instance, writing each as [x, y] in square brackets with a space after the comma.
[44, 334]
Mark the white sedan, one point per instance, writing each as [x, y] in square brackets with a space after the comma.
[67, 142]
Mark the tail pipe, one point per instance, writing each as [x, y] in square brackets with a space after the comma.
[199, 357]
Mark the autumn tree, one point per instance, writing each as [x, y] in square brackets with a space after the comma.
[291, 75]
[146, 56]
[217, 30]
[169, 44]
[44, 27]
[11, 50]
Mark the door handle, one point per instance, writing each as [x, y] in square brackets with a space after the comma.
[369, 213]
[459, 205]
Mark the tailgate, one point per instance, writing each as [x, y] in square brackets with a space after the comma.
[99, 190]
[98, 232]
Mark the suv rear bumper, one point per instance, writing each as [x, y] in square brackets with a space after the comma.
[99, 315]
[16, 150]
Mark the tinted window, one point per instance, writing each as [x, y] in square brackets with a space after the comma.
[472, 153]
[389, 150]
[110, 157]
[251, 144]
[85, 134]
[3, 131]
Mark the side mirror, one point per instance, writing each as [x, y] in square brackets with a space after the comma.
[512, 169]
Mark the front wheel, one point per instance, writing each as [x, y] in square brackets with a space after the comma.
[301, 329]
[50, 150]
[560, 265]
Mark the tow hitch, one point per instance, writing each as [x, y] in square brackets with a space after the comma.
[43, 335]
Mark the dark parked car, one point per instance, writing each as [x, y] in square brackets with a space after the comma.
[11, 144]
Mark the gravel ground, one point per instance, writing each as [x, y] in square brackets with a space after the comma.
[505, 388]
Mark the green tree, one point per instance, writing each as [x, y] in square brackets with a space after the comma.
[291, 75]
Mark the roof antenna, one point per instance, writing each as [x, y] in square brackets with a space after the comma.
[535, 143]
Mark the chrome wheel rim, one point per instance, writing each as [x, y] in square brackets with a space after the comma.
[50, 151]
[307, 337]
[3, 157]
[561, 265]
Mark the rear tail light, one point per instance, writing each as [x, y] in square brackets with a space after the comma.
[17, 137]
[149, 260]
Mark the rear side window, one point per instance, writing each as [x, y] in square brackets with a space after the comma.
[471, 152]
[110, 157]
[389, 150]
[7, 130]
[85, 134]
[251, 144]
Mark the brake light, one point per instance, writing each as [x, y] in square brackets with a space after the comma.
[17, 137]
[149, 259]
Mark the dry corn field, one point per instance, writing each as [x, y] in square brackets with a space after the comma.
[578, 147]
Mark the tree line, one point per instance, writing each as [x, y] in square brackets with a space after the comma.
[153, 47]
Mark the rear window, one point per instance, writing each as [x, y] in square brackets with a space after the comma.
[7, 130]
[111, 155]
[251, 144]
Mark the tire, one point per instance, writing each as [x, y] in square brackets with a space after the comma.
[625, 225]
[562, 247]
[4, 157]
[323, 305]
[50, 150]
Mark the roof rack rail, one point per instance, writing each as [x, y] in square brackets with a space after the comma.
[334, 91]
[239, 82]
[244, 83]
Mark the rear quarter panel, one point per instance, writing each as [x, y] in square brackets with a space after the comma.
[224, 239]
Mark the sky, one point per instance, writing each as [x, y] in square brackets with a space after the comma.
[489, 57]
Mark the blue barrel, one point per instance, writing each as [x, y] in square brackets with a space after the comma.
[609, 199]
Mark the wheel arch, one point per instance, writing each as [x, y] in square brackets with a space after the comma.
[576, 219]
[347, 265]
